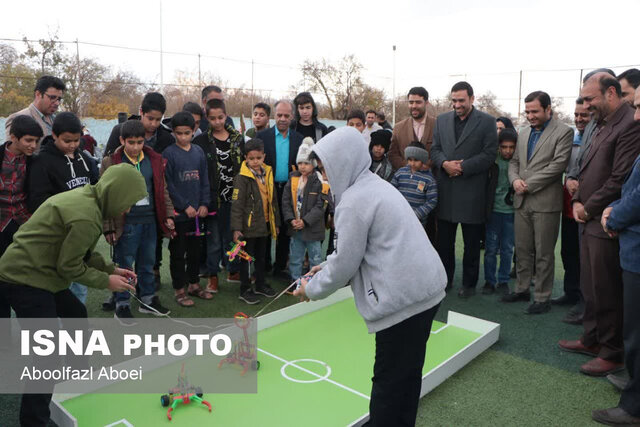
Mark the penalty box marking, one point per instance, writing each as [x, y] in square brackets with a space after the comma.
[320, 377]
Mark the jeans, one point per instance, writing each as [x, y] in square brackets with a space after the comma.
[80, 291]
[499, 240]
[138, 245]
[297, 249]
[397, 371]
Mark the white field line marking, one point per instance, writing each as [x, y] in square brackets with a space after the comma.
[440, 329]
[122, 421]
[314, 374]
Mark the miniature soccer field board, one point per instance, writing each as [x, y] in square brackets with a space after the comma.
[316, 362]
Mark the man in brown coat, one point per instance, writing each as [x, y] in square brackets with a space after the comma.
[615, 145]
[418, 127]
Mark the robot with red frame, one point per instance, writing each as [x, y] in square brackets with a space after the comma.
[244, 353]
[182, 393]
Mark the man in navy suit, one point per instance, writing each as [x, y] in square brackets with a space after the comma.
[281, 148]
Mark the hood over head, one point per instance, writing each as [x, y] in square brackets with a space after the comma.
[345, 157]
[120, 187]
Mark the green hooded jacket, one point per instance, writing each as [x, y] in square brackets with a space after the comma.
[56, 245]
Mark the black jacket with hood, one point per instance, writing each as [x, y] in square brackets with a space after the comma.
[53, 172]
[321, 129]
[164, 138]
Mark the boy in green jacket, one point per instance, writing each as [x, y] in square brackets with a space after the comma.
[254, 217]
[56, 247]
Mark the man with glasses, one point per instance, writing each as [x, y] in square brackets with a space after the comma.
[48, 96]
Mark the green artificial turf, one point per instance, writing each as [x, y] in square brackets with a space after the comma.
[523, 380]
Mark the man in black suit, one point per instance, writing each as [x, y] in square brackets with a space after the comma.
[281, 148]
[464, 147]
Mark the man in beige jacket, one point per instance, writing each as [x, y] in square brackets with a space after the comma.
[47, 98]
[535, 172]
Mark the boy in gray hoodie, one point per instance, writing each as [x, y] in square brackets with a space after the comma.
[396, 276]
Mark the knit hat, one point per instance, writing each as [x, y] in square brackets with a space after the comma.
[305, 150]
[415, 150]
[381, 137]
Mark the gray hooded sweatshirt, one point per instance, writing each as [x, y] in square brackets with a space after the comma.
[381, 246]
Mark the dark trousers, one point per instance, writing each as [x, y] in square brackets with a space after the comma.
[397, 372]
[282, 243]
[256, 247]
[6, 238]
[446, 247]
[601, 284]
[570, 252]
[184, 249]
[630, 399]
[30, 302]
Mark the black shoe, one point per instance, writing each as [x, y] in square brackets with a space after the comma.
[573, 318]
[466, 292]
[110, 303]
[154, 308]
[265, 290]
[249, 297]
[516, 296]
[564, 300]
[615, 417]
[619, 381]
[488, 289]
[503, 289]
[538, 308]
[124, 316]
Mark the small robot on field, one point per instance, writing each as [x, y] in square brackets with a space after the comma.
[244, 353]
[182, 393]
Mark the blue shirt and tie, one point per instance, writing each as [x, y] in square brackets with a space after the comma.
[282, 156]
[534, 137]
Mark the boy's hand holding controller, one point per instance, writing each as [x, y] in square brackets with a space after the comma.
[191, 213]
[237, 235]
[301, 284]
[203, 211]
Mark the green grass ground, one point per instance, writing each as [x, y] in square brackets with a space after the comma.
[524, 379]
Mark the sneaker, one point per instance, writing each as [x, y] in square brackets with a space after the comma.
[123, 315]
[538, 308]
[488, 289]
[249, 297]
[158, 309]
[233, 277]
[503, 289]
[265, 290]
[212, 285]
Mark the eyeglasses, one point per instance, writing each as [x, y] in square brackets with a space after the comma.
[54, 98]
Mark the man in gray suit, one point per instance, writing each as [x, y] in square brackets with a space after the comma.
[465, 145]
[535, 171]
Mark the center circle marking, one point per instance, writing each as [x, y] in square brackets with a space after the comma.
[283, 371]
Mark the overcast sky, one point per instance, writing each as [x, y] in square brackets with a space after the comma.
[438, 42]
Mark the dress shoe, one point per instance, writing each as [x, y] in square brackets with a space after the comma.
[503, 289]
[615, 417]
[600, 367]
[488, 289]
[619, 381]
[577, 346]
[538, 308]
[564, 300]
[573, 318]
[516, 296]
[466, 292]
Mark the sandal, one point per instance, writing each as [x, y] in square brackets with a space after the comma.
[195, 290]
[183, 300]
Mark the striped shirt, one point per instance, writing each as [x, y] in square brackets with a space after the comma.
[419, 188]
